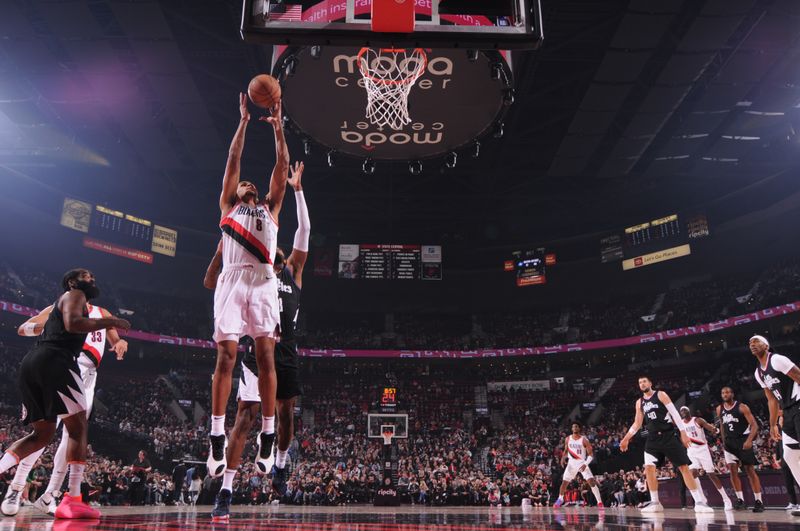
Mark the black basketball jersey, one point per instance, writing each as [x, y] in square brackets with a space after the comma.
[57, 337]
[289, 305]
[774, 378]
[733, 422]
[289, 300]
[656, 416]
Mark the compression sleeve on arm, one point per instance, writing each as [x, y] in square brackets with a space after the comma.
[303, 233]
[676, 418]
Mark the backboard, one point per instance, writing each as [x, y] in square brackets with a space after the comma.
[377, 421]
[471, 24]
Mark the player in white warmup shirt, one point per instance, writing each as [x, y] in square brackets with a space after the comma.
[579, 454]
[88, 362]
[700, 454]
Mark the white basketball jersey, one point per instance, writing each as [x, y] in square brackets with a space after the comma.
[249, 236]
[696, 434]
[95, 343]
[575, 449]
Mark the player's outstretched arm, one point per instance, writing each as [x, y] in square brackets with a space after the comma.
[118, 345]
[72, 304]
[280, 173]
[213, 269]
[706, 426]
[35, 325]
[299, 255]
[230, 180]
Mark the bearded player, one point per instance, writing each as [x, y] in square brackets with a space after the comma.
[246, 294]
[88, 363]
[578, 451]
[290, 280]
[700, 455]
[657, 413]
[52, 390]
[779, 376]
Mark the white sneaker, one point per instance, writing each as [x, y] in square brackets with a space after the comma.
[653, 508]
[729, 505]
[702, 507]
[46, 508]
[10, 505]
[216, 464]
[265, 456]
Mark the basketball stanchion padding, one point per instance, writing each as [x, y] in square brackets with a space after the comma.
[393, 16]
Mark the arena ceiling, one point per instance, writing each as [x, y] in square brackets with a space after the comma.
[632, 108]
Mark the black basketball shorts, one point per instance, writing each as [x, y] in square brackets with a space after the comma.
[661, 445]
[50, 385]
[287, 370]
[735, 452]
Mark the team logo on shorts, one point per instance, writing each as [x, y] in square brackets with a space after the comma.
[24, 414]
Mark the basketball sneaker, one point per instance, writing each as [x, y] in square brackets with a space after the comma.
[559, 502]
[222, 506]
[279, 476]
[217, 462]
[652, 508]
[600, 505]
[11, 502]
[46, 508]
[758, 506]
[740, 506]
[728, 505]
[264, 457]
[702, 507]
[73, 507]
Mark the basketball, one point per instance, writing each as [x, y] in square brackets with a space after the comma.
[264, 90]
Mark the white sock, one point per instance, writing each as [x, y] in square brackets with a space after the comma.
[724, 494]
[739, 495]
[23, 469]
[654, 496]
[280, 459]
[75, 478]
[698, 496]
[757, 495]
[59, 467]
[217, 425]
[227, 479]
[268, 424]
[7, 462]
[596, 492]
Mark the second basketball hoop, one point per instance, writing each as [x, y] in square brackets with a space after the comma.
[389, 74]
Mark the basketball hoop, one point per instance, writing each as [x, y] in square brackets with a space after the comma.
[389, 74]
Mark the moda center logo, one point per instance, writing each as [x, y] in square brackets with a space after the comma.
[453, 102]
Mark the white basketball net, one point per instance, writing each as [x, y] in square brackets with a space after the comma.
[389, 74]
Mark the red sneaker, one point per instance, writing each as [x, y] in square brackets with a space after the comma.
[600, 505]
[73, 507]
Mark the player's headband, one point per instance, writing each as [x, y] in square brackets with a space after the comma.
[762, 339]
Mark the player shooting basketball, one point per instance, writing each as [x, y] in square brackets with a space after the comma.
[290, 280]
[246, 296]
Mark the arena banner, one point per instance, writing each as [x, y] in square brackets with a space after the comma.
[524, 385]
[675, 333]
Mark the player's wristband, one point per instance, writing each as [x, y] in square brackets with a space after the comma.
[29, 329]
[631, 432]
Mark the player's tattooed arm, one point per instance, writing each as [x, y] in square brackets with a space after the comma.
[635, 427]
[72, 304]
[35, 325]
[774, 413]
[230, 180]
[214, 268]
[280, 173]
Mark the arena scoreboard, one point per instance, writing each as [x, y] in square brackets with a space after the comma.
[390, 262]
[653, 241]
[530, 266]
[388, 402]
[115, 232]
